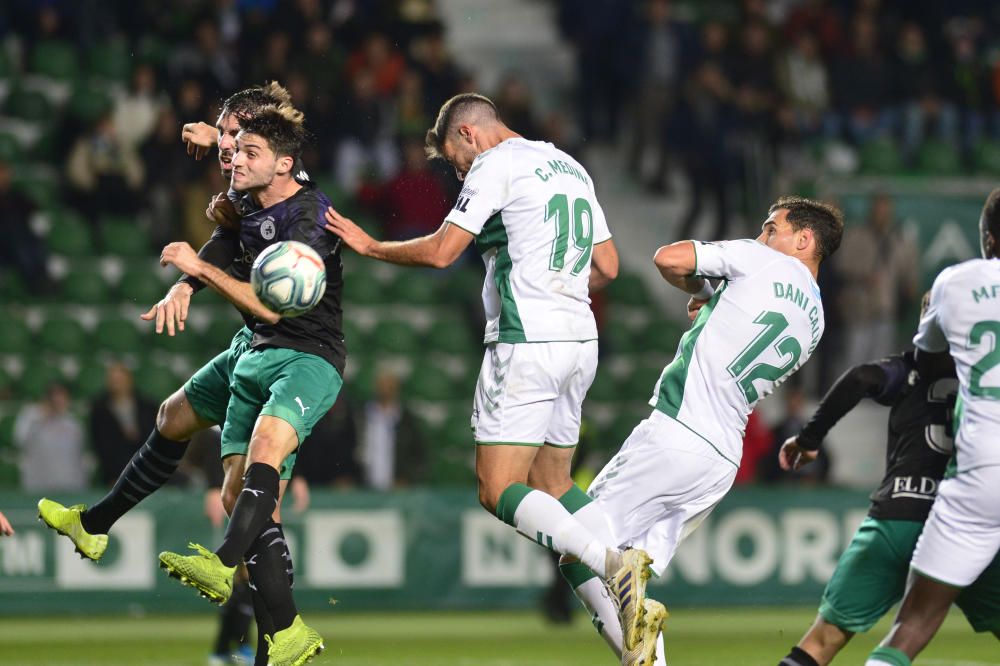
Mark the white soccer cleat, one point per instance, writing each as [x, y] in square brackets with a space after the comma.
[628, 587]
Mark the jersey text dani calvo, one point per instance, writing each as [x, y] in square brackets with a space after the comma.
[963, 317]
[536, 219]
[761, 325]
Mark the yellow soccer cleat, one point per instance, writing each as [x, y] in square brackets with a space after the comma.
[644, 654]
[205, 572]
[66, 521]
[293, 646]
[628, 587]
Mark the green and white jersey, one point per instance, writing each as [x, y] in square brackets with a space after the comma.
[536, 219]
[963, 317]
[761, 325]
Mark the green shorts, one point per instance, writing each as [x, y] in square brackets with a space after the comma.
[871, 577]
[294, 386]
[208, 389]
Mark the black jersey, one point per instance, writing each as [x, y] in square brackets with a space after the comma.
[919, 440]
[299, 218]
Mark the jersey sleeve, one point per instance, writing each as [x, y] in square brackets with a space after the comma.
[930, 336]
[308, 226]
[485, 192]
[895, 373]
[220, 250]
[600, 223]
[730, 259]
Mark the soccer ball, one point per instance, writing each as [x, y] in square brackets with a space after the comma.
[289, 278]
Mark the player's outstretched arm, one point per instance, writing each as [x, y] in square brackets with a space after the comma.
[5, 526]
[199, 138]
[603, 264]
[439, 250]
[236, 292]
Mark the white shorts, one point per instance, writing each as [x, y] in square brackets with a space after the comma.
[962, 534]
[658, 488]
[532, 392]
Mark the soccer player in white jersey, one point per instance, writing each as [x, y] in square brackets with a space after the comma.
[749, 336]
[962, 534]
[534, 215]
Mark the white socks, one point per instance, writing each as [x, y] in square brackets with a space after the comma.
[541, 517]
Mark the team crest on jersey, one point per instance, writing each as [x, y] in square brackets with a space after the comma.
[267, 228]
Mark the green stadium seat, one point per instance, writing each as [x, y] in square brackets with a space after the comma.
[353, 335]
[64, 335]
[986, 157]
[660, 336]
[394, 336]
[620, 336]
[7, 430]
[463, 285]
[428, 382]
[15, 337]
[118, 335]
[29, 105]
[361, 368]
[10, 148]
[55, 59]
[86, 287]
[124, 238]
[451, 335]
[37, 375]
[616, 432]
[41, 188]
[365, 291]
[90, 380]
[939, 158]
[157, 381]
[89, 101]
[7, 67]
[70, 237]
[881, 157]
[414, 288]
[7, 384]
[110, 61]
[153, 50]
[187, 342]
[140, 286]
[13, 288]
[628, 289]
[638, 385]
[605, 387]
[220, 332]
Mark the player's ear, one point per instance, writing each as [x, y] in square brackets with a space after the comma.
[285, 164]
[805, 238]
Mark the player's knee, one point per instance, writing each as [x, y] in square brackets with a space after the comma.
[487, 499]
[175, 419]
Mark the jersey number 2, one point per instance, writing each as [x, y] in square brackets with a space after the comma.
[582, 231]
[746, 371]
[987, 362]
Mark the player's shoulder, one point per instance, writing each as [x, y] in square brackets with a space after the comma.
[960, 275]
[311, 197]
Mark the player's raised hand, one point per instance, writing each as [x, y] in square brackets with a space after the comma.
[695, 305]
[5, 527]
[792, 456]
[181, 255]
[221, 211]
[172, 309]
[198, 138]
[353, 235]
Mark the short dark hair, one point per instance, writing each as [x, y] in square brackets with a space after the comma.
[825, 221]
[460, 107]
[991, 215]
[281, 126]
[247, 103]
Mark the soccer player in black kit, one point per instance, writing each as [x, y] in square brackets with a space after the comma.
[285, 382]
[871, 574]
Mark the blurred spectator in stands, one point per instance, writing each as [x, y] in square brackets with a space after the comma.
[272, 63]
[438, 72]
[970, 82]
[415, 201]
[662, 48]
[136, 110]
[119, 421]
[756, 444]
[328, 456]
[755, 88]
[378, 57]
[392, 450]
[790, 426]
[366, 152]
[805, 87]
[861, 85]
[190, 102]
[169, 169]
[603, 67]
[879, 268]
[412, 117]
[105, 175]
[704, 139]
[920, 91]
[21, 249]
[205, 59]
[49, 439]
[516, 105]
[819, 19]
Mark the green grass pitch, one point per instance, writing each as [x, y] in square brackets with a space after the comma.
[702, 637]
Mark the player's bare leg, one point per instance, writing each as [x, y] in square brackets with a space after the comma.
[920, 616]
[819, 646]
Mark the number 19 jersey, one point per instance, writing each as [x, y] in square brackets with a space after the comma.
[761, 325]
[963, 317]
[536, 218]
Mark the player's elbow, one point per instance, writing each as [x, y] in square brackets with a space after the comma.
[672, 260]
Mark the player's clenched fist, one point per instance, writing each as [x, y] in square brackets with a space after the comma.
[198, 138]
[182, 256]
[221, 211]
[792, 456]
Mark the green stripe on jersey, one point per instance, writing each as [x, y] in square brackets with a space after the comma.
[670, 388]
[494, 235]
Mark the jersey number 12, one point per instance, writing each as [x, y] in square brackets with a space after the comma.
[744, 369]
